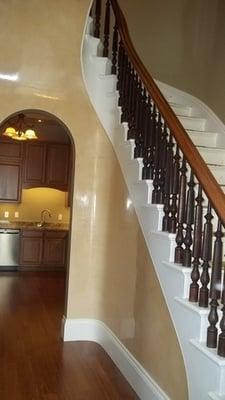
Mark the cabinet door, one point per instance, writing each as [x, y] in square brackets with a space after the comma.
[57, 166]
[34, 166]
[10, 149]
[31, 249]
[54, 252]
[10, 181]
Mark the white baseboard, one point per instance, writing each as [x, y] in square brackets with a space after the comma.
[96, 331]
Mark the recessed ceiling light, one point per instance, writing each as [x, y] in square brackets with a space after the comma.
[39, 120]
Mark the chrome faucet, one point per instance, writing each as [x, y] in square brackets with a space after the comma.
[42, 221]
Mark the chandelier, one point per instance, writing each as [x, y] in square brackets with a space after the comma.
[19, 130]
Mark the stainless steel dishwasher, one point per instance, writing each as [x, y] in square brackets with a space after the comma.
[9, 249]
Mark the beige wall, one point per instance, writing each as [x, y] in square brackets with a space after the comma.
[182, 43]
[111, 276]
[35, 200]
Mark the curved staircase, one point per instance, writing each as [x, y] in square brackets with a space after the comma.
[205, 369]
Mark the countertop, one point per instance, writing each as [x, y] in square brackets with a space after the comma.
[33, 225]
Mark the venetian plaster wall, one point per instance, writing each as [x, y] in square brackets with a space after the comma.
[111, 276]
[182, 43]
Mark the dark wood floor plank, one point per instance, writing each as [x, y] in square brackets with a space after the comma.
[35, 363]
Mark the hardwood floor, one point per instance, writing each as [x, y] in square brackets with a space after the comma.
[35, 363]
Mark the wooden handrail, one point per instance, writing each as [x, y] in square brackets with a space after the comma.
[198, 165]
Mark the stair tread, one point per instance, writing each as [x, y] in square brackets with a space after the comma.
[193, 306]
[216, 165]
[216, 396]
[192, 117]
[202, 132]
[210, 148]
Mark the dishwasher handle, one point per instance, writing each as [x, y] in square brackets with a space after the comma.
[9, 231]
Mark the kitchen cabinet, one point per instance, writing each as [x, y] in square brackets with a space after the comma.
[46, 164]
[10, 172]
[10, 150]
[55, 245]
[10, 181]
[34, 165]
[57, 166]
[31, 248]
[43, 249]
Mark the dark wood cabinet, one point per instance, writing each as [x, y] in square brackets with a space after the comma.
[46, 164]
[43, 249]
[10, 149]
[31, 248]
[34, 164]
[10, 171]
[57, 166]
[55, 244]
[10, 181]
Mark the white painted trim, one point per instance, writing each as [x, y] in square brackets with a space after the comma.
[96, 331]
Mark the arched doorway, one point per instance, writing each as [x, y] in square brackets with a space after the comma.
[36, 188]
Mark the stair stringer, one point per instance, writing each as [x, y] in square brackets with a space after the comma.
[189, 321]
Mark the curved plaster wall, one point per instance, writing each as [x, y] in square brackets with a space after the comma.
[182, 43]
[111, 277]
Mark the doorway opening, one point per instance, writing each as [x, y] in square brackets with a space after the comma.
[36, 189]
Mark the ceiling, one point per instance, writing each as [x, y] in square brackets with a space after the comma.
[46, 127]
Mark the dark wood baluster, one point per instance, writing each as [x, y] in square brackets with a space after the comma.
[215, 288]
[139, 149]
[168, 185]
[118, 85]
[152, 133]
[158, 135]
[147, 172]
[125, 84]
[179, 251]
[131, 130]
[106, 30]
[175, 189]
[114, 49]
[142, 116]
[130, 95]
[206, 257]
[162, 165]
[189, 219]
[98, 6]
[153, 140]
[145, 129]
[138, 134]
[221, 345]
[121, 73]
[197, 244]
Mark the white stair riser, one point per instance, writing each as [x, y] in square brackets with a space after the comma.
[142, 192]
[91, 45]
[107, 83]
[203, 139]
[150, 217]
[197, 124]
[219, 173]
[182, 110]
[216, 156]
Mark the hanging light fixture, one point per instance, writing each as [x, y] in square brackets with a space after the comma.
[19, 130]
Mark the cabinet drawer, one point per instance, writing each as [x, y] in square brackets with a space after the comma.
[30, 233]
[55, 234]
